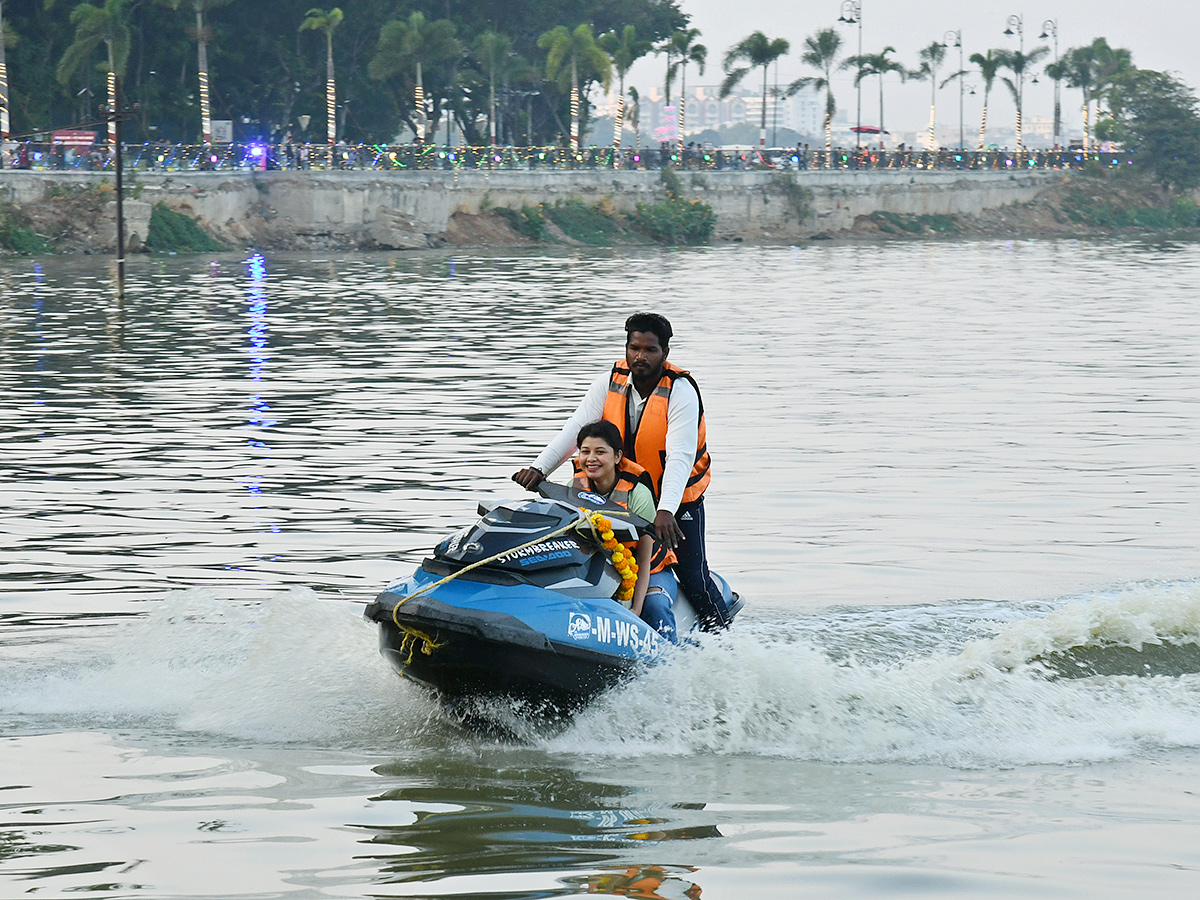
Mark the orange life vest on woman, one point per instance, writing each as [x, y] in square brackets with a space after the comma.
[629, 475]
[647, 445]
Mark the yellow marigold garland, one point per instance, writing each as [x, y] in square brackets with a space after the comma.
[622, 559]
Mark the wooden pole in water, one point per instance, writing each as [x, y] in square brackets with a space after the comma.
[118, 117]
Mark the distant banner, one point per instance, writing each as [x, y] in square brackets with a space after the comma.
[222, 131]
[72, 138]
[669, 129]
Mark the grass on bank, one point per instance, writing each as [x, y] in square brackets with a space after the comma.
[674, 220]
[17, 237]
[173, 232]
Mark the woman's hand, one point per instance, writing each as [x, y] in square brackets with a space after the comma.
[644, 550]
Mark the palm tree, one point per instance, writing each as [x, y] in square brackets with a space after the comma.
[567, 52]
[635, 115]
[1019, 62]
[624, 49]
[755, 50]
[96, 25]
[931, 57]
[409, 45]
[326, 22]
[683, 46]
[493, 52]
[203, 33]
[820, 52]
[1112, 65]
[875, 64]
[988, 65]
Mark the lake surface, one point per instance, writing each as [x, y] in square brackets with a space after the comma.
[957, 483]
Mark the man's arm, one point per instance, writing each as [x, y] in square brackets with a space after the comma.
[562, 445]
[683, 430]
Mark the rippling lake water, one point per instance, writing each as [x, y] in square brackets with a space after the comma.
[957, 483]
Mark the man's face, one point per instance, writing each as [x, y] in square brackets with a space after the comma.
[644, 354]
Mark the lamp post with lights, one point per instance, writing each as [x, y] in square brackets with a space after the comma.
[1050, 30]
[1017, 22]
[956, 36]
[852, 15]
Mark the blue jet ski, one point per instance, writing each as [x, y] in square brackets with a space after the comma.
[520, 605]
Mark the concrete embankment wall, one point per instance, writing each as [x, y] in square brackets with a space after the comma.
[398, 210]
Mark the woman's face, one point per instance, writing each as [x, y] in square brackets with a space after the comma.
[598, 459]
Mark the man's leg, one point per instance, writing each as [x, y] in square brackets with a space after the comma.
[692, 570]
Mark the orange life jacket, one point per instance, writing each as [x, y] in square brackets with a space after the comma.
[647, 445]
[629, 475]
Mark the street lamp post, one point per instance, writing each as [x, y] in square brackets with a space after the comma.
[1018, 22]
[957, 38]
[852, 15]
[1050, 29]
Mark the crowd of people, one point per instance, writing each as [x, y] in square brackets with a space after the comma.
[299, 156]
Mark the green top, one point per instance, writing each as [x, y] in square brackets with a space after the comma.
[641, 502]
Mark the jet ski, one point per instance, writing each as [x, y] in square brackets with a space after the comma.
[519, 605]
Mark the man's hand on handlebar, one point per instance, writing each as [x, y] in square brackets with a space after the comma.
[529, 478]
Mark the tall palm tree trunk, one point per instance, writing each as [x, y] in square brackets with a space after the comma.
[932, 110]
[619, 125]
[419, 113]
[682, 105]
[492, 107]
[574, 106]
[202, 74]
[762, 126]
[4, 126]
[112, 97]
[330, 93]
[881, 131]
[983, 122]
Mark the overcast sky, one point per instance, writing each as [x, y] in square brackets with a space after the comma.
[1162, 34]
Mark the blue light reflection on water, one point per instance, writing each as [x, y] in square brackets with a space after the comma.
[259, 411]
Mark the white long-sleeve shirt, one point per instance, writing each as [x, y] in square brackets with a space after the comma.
[683, 429]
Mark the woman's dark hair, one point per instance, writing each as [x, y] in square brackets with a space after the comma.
[651, 322]
[603, 429]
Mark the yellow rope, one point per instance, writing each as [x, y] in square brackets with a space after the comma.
[429, 644]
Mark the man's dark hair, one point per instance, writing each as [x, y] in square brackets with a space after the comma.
[652, 322]
[603, 429]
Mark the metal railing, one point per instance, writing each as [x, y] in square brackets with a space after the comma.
[429, 157]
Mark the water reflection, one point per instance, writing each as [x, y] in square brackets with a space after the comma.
[463, 821]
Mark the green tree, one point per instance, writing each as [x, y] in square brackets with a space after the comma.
[408, 45]
[684, 46]
[492, 52]
[106, 25]
[821, 51]
[754, 51]
[1019, 62]
[878, 64]
[635, 115]
[326, 22]
[624, 48]
[203, 34]
[570, 54]
[989, 66]
[1158, 116]
[931, 59]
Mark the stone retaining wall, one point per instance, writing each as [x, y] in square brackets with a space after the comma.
[399, 210]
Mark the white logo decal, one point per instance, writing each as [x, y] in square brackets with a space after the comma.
[579, 626]
[592, 498]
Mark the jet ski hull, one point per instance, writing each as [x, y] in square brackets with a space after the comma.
[475, 639]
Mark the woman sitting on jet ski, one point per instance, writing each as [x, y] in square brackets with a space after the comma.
[602, 469]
